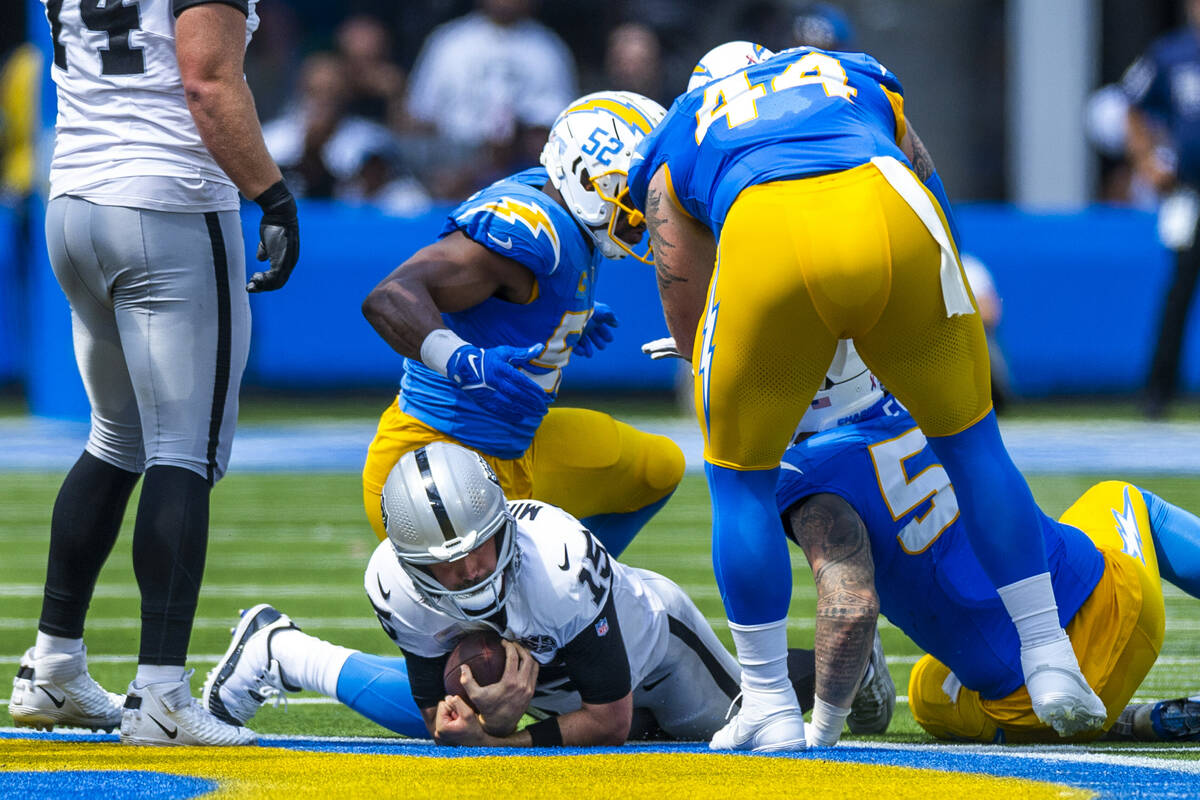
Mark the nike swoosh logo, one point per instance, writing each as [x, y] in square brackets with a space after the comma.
[57, 702]
[648, 685]
[506, 242]
[473, 363]
[566, 564]
[171, 734]
[385, 594]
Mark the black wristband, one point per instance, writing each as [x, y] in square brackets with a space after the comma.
[275, 198]
[545, 733]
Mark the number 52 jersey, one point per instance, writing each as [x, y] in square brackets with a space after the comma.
[929, 581]
[124, 135]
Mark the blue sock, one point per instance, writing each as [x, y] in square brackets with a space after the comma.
[934, 184]
[377, 688]
[616, 531]
[997, 509]
[750, 553]
[1176, 535]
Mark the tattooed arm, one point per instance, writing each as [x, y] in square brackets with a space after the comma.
[914, 150]
[684, 255]
[835, 541]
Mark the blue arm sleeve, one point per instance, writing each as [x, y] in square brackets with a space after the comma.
[934, 185]
[1176, 535]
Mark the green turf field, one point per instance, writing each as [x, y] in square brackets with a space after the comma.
[299, 541]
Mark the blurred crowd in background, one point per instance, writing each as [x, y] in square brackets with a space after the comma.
[399, 105]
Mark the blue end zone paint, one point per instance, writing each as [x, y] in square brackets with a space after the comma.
[1131, 776]
[126, 784]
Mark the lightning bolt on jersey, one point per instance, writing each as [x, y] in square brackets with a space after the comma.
[517, 220]
[563, 581]
[802, 112]
[930, 584]
[122, 113]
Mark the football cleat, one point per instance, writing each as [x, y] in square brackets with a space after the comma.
[872, 708]
[57, 690]
[1059, 693]
[779, 731]
[1177, 720]
[247, 675]
[167, 714]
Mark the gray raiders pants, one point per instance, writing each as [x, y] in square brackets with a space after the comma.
[690, 689]
[161, 325]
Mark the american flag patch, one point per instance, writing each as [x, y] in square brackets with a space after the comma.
[822, 402]
[602, 626]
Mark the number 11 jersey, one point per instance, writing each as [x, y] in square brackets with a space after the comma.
[124, 134]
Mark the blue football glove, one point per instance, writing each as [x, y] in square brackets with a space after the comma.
[492, 379]
[598, 332]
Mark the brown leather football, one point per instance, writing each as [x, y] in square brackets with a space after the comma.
[483, 652]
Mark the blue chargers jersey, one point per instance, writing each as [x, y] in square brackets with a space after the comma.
[930, 584]
[517, 220]
[801, 112]
[1164, 84]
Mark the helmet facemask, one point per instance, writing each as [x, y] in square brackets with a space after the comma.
[587, 157]
[482, 599]
[441, 503]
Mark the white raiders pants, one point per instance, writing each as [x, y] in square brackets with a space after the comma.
[690, 689]
[161, 325]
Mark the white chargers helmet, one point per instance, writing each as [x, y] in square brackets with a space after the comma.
[439, 503]
[726, 59]
[850, 388]
[588, 154]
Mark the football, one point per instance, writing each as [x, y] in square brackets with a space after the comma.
[483, 652]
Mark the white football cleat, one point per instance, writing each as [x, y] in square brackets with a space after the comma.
[167, 714]
[247, 675]
[1060, 695]
[57, 690]
[777, 732]
[872, 708]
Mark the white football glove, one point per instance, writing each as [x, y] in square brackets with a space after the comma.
[662, 348]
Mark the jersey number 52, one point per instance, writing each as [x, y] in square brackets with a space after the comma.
[903, 495]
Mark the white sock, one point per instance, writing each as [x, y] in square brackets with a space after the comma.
[47, 645]
[762, 653]
[1030, 603]
[156, 673]
[308, 662]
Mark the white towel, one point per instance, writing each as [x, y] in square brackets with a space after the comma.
[954, 291]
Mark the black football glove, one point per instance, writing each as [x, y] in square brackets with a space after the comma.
[278, 238]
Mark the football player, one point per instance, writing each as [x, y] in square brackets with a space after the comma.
[790, 204]
[156, 134]
[863, 493]
[489, 315]
[589, 640]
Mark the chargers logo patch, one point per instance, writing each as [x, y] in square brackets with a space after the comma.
[515, 211]
[602, 627]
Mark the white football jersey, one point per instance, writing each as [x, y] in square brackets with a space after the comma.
[124, 133]
[560, 588]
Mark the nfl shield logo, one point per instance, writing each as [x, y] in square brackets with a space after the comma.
[602, 626]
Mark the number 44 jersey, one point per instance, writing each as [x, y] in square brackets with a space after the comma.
[930, 584]
[124, 135]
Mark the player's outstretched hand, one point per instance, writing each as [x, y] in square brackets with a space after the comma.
[662, 348]
[598, 331]
[455, 723]
[492, 377]
[502, 704]
[278, 238]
